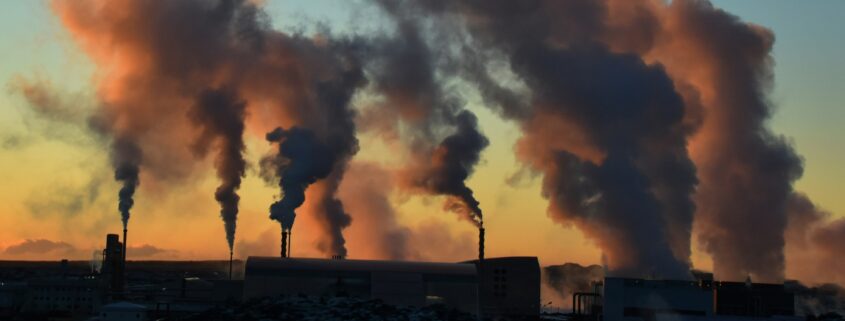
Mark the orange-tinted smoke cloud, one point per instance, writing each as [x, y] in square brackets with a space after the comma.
[444, 139]
[605, 129]
[176, 79]
[723, 68]
[814, 243]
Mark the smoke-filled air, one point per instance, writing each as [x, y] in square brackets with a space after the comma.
[639, 138]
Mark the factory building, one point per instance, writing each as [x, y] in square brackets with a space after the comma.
[63, 296]
[509, 287]
[753, 299]
[494, 288]
[638, 299]
[398, 283]
[627, 299]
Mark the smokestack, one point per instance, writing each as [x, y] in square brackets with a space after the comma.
[124, 245]
[284, 243]
[480, 244]
[231, 254]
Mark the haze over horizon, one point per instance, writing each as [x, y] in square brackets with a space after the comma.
[79, 82]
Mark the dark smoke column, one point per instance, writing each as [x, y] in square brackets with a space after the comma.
[605, 129]
[301, 161]
[126, 158]
[220, 115]
[746, 170]
[451, 164]
[457, 156]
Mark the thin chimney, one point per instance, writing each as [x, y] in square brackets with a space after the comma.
[284, 243]
[124, 245]
[481, 244]
[231, 254]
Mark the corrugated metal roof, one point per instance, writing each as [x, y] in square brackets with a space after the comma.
[263, 263]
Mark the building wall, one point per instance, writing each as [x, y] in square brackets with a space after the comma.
[509, 287]
[398, 283]
[637, 299]
[75, 296]
[753, 299]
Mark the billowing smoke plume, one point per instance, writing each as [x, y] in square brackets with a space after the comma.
[605, 128]
[220, 115]
[824, 301]
[746, 171]
[570, 278]
[173, 79]
[814, 243]
[377, 232]
[407, 72]
[303, 159]
[126, 158]
[451, 163]
[609, 95]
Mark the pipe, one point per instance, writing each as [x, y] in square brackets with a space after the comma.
[284, 243]
[480, 244]
[574, 303]
[123, 265]
[577, 307]
[124, 245]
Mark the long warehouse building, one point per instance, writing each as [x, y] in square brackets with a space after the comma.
[494, 287]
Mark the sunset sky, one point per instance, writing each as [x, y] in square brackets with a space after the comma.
[57, 183]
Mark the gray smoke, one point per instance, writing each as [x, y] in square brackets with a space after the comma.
[615, 164]
[220, 115]
[570, 278]
[407, 71]
[301, 161]
[126, 159]
[821, 300]
[746, 170]
[452, 162]
[162, 61]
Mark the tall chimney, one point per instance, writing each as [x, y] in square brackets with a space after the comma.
[231, 254]
[123, 266]
[284, 243]
[481, 244]
[124, 245]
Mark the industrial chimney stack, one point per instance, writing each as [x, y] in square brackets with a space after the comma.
[286, 242]
[481, 244]
[124, 245]
[114, 265]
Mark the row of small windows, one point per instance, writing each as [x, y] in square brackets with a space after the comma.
[500, 277]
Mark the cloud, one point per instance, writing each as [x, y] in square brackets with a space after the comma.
[265, 244]
[150, 251]
[41, 247]
[815, 241]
